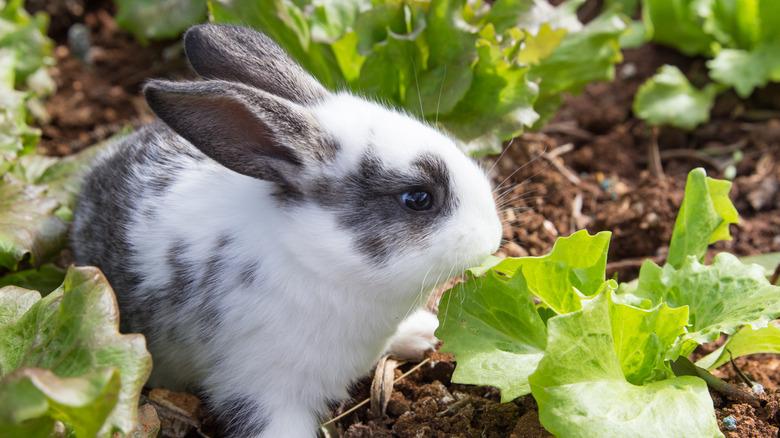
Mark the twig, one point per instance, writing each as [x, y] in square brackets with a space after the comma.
[776, 275]
[570, 129]
[653, 154]
[357, 406]
[560, 150]
[692, 155]
[565, 171]
[739, 372]
[632, 263]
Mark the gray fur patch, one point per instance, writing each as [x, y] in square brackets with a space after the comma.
[246, 130]
[242, 417]
[367, 204]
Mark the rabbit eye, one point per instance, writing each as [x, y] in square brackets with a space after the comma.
[417, 200]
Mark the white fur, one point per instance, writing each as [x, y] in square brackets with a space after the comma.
[319, 314]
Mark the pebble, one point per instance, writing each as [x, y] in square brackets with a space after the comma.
[730, 423]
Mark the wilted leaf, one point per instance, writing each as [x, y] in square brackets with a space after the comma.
[73, 333]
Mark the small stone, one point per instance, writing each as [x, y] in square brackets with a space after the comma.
[758, 389]
[512, 249]
[730, 423]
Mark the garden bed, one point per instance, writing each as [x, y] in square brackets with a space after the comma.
[587, 169]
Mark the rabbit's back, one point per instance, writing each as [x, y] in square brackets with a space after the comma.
[124, 188]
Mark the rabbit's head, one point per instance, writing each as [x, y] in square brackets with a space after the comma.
[367, 194]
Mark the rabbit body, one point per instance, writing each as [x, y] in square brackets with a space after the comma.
[269, 236]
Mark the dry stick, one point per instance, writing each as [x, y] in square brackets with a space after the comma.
[565, 171]
[357, 406]
[776, 275]
[632, 263]
[654, 155]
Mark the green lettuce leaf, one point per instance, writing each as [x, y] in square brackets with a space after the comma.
[575, 268]
[744, 342]
[24, 36]
[31, 399]
[642, 338]
[44, 279]
[74, 334]
[492, 327]
[582, 392]
[721, 297]
[747, 70]
[704, 217]
[679, 24]
[156, 19]
[769, 261]
[669, 99]
[462, 65]
[582, 57]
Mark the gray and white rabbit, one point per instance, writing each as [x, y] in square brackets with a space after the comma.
[269, 236]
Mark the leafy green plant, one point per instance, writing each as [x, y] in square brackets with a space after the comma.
[596, 354]
[62, 359]
[159, 19]
[24, 55]
[742, 38]
[481, 71]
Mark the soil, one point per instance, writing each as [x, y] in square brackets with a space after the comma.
[588, 168]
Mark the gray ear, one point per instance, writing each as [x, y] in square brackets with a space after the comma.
[239, 54]
[244, 129]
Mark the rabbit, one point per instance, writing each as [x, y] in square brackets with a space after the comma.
[269, 236]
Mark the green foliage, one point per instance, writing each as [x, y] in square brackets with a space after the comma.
[481, 71]
[669, 99]
[159, 19]
[746, 341]
[741, 37]
[62, 358]
[581, 389]
[596, 355]
[37, 194]
[495, 332]
[24, 54]
[704, 217]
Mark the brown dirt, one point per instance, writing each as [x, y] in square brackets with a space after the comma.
[98, 94]
[600, 182]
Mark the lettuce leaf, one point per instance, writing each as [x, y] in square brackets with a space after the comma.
[575, 268]
[581, 390]
[491, 325]
[155, 19]
[704, 217]
[721, 297]
[746, 341]
[668, 98]
[482, 71]
[62, 358]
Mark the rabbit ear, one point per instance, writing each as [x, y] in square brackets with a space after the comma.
[244, 129]
[239, 54]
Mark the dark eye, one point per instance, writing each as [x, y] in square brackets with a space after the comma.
[417, 200]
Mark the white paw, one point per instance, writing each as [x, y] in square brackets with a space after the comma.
[414, 336]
